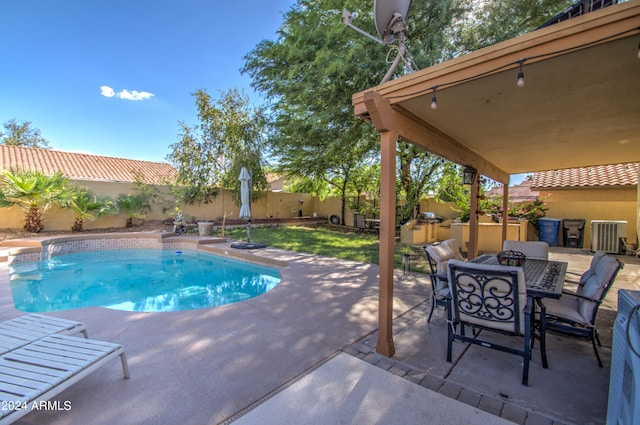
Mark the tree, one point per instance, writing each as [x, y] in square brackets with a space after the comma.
[16, 134]
[490, 22]
[229, 136]
[451, 189]
[309, 74]
[418, 172]
[365, 180]
[316, 63]
[88, 207]
[34, 192]
[138, 204]
[134, 205]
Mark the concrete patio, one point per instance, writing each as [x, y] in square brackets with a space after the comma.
[289, 352]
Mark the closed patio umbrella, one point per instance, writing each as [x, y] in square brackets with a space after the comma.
[245, 210]
[245, 199]
[245, 193]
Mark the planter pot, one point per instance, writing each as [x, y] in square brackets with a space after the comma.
[205, 227]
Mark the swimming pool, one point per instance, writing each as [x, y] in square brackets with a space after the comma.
[146, 280]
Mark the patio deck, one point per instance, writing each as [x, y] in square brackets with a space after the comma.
[214, 365]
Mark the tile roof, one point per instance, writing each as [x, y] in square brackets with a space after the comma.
[78, 166]
[604, 175]
[517, 193]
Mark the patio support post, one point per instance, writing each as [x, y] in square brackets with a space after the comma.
[505, 211]
[472, 248]
[383, 117]
[388, 140]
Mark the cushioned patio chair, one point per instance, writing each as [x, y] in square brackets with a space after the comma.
[491, 298]
[42, 369]
[574, 313]
[438, 256]
[22, 330]
[536, 250]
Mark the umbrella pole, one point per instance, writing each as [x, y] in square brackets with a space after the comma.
[249, 231]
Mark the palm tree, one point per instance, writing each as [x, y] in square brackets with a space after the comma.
[87, 206]
[34, 192]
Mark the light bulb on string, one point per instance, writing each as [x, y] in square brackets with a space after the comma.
[434, 103]
[520, 81]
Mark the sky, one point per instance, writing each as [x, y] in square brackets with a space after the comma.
[115, 77]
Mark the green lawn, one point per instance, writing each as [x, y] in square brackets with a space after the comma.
[349, 245]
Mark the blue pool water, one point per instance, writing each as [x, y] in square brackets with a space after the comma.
[149, 280]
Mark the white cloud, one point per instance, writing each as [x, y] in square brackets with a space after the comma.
[107, 91]
[135, 95]
[125, 94]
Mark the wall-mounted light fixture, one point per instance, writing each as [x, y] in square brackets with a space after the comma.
[469, 175]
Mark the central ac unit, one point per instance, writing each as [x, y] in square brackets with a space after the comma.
[624, 383]
[608, 236]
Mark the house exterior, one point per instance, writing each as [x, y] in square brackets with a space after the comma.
[518, 193]
[101, 175]
[109, 176]
[85, 167]
[607, 192]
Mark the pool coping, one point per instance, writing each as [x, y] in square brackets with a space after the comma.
[39, 248]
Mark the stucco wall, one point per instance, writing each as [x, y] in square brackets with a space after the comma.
[595, 204]
[441, 209]
[274, 204]
[589, 203]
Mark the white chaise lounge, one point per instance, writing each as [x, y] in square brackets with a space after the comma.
[22, 330]
[40, 370]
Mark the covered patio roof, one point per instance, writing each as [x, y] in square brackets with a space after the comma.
[580, 106]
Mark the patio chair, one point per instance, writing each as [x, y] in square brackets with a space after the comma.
[438, 256]
[42, 369]
[491, 298]
[536, 250]
[574, 313]
[22, 330]
[582, 278]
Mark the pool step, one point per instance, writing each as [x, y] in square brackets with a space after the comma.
[4, 255]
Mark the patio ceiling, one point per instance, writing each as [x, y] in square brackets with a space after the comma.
[580, 105]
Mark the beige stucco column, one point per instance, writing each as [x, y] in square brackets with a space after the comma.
[388, 140]
[505, 211]
[473, 219]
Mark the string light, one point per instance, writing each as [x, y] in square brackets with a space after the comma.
[520, 82]
[434, 104]
[519, 63]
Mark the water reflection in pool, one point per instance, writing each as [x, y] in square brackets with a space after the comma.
[147, 280]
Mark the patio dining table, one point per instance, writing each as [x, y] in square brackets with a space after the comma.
[544, 278]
